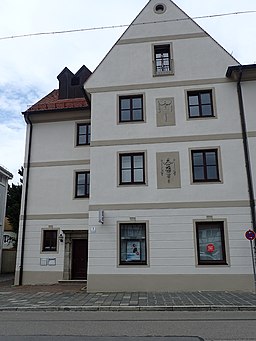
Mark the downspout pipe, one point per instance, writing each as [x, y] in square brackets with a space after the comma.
[246, 151]
[28, 121]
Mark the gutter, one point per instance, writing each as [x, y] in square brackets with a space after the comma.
[246, 151]
[28, 121]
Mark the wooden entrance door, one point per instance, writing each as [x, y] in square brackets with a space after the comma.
[79, 258]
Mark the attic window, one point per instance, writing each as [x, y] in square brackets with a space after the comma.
[160, 8]
[75, 81]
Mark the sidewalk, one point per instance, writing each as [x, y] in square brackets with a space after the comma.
[74, 297]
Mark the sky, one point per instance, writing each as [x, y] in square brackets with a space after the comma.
[29, 65]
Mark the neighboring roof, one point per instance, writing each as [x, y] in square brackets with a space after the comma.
[51, 102]
[247, 72]
[5, 172]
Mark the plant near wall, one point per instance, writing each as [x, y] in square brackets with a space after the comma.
[14, 203]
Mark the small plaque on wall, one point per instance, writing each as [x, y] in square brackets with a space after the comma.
[52, 261]
[168, 170]
[43, 261]
[165, 112]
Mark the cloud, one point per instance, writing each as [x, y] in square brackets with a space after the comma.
[12, 142]
[14, 100]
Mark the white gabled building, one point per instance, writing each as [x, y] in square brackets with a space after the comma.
[172, 167]
[167, 161]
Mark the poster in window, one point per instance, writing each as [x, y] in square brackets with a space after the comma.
[133, 251]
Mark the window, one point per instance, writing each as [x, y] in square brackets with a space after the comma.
[200, 104]
[162, 60]
[49, 240]
[210, 243]
[160, 8]
[132, 169]
[133, 244]
[205, 165]
[83, 134]
[130, 108]
[82, 184]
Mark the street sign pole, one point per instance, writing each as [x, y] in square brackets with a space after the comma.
[253, 264]
[251, 235]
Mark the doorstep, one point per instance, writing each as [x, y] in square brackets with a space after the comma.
[72, 281]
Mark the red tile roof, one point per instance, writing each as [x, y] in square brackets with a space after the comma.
[52, 102]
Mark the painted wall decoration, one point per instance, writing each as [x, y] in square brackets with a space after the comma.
[168, 170]
[165, 112]
[9, 240]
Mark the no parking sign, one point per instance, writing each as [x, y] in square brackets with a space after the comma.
[250, 235]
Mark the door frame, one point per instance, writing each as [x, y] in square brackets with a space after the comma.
[69, 236]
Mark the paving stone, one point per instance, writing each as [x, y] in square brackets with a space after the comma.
[59, 297]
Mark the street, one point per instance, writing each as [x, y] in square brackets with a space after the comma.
[128, 326]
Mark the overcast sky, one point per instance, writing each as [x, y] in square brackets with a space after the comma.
[29, 66]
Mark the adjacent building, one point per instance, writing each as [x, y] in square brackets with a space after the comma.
[5, 175]
[159, 196]
[53, 233]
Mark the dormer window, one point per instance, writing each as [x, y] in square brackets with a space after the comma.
[163, 64]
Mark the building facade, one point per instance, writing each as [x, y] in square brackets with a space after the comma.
[53, 233]
[5, 175]
[172, 167]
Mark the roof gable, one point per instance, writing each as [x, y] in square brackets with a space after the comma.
[193, 48]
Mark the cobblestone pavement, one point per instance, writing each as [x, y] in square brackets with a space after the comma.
[74, 297]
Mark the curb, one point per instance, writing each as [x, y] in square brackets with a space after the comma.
[132, 308]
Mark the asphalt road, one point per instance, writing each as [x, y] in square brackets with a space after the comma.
[127, 326]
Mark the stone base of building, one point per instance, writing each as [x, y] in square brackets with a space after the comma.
[169, 283]
[38, 277]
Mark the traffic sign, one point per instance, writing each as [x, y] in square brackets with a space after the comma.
[250, 235]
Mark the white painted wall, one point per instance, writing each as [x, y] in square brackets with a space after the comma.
[56, 141]
[199, 63]
[227, 114]
[54, 160]
[171, 241]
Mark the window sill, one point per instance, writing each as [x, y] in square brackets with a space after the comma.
[129, 122]
[85, 197]
[83, 145]
[212, 265]
[164, 73]
[201, 117]
[206, 182]
[132, 184]
[133, 264]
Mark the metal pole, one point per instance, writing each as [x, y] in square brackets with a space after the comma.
[253, 264]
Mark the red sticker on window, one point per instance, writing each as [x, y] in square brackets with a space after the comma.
[210, 248]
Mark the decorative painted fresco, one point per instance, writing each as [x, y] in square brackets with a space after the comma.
[168, 170]
[165, 112]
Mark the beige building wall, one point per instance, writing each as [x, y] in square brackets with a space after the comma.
[170, 214]
[51, 202]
